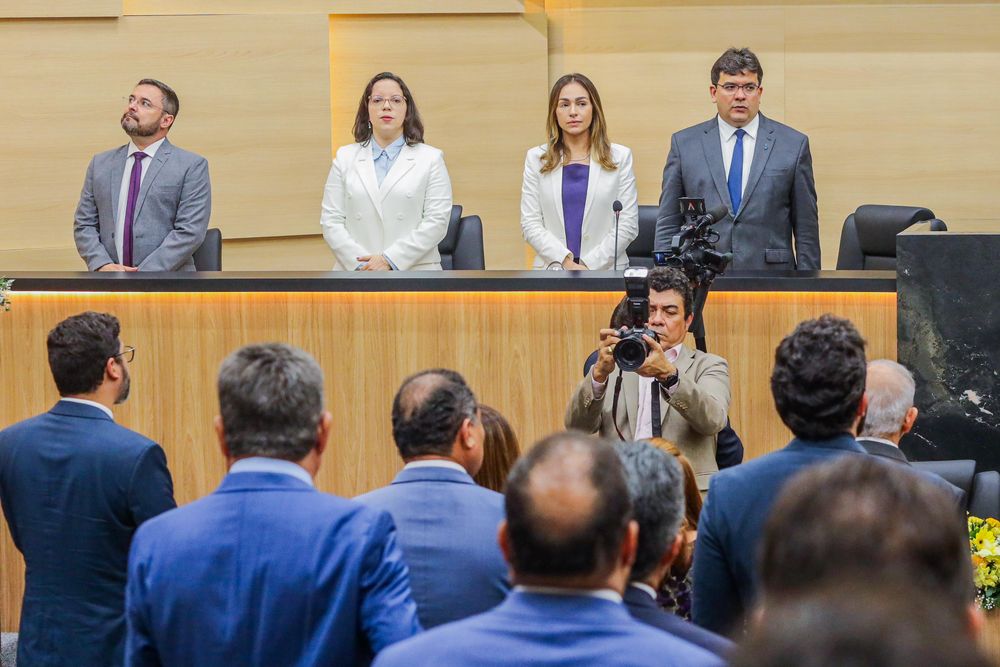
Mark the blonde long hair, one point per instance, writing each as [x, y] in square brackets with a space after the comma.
[600, 146]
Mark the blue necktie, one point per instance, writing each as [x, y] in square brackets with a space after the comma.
[736, 172]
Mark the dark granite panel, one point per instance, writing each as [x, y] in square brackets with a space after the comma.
[949, 336]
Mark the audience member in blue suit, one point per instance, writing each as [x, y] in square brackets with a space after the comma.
[656, 486]
[446, 523]
[570, 542]
[818, 384]
[74, 486]
[267, 570]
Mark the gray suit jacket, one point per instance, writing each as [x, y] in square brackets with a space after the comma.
[171, 216]
[779, 200]
[692, 416]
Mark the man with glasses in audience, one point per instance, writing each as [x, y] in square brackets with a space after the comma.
[145, 205]
[74, 487]
[758, 169]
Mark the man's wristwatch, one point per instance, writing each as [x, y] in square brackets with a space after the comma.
[671, 381]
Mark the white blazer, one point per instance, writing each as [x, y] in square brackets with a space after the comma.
[405, 218]
[542, 212]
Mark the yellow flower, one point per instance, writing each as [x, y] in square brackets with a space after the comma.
[993, 523]
[984, 538]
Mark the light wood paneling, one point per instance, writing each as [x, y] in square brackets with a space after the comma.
[29, 9]
[323, 6]
[480, 86]
[516, 350]
[254, 101]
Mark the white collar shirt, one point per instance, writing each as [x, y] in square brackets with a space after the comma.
[727, 134]
[150, 150]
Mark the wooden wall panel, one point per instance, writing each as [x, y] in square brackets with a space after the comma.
[480, 86]
[254, 101]
[323, 6]
[521, 352]
[29, 9]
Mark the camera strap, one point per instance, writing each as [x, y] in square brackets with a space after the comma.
[614, 405]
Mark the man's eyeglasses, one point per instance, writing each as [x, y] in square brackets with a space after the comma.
[731, 88]
[395, 101]
[127, 353]
[140, 102]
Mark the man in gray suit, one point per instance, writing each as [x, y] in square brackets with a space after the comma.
[145, 205]
[758, 169]
[678, 393]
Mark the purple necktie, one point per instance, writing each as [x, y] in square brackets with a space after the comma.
[133, 194]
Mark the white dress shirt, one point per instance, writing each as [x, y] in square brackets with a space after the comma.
[435, 463]
[267, 464]
[643, 415]
[600, 593]
[150, 150]
[93, 404]
[727, 134]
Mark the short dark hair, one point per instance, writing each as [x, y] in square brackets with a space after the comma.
[857, 624]
[171, 104]
[271, 401]
[413, 127]
[656, 486]
[862, 518]
[79, 348]
[662, 279]
[428, 411]
[736, 61]
[560, 542]
[819, 377]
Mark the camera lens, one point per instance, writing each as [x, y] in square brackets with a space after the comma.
[630, 352]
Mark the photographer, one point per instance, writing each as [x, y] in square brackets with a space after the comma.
[676, 393]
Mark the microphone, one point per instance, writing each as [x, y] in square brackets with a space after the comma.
[713, 216]
[617, 208]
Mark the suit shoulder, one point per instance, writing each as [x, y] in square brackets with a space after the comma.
[785, 130]
[426, 151]
[708, 359]
[186, 155]
[695, 131]
[619, 151]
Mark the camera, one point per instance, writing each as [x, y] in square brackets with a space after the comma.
[631, 351]
[692, 250]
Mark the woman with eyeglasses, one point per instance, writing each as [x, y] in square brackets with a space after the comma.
[387, 200]
[572, 182]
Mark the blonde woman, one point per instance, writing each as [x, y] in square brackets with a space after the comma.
[571, 183]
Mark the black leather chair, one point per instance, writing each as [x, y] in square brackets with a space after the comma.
[960, 472]
[640, 250]
[462, 247]
[985, 499]
[868, 238]
[208, 257]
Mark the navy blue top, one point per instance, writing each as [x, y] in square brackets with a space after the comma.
[574, 198]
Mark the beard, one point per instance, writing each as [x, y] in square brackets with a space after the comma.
[126, 386]
[134, 128]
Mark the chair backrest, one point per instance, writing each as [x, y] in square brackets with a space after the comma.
[960, 472]
[208, 257]
[461, 249]
[868, 238]
[640, 250]
[985, 499]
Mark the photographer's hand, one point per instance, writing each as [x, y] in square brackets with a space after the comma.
[605, 355]
[656, 364]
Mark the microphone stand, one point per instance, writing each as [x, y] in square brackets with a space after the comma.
[618, 213]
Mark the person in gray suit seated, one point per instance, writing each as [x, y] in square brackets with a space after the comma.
[758, 169]
[145, 205]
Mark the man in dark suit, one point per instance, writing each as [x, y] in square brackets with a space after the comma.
[656, 487]
[891, 414]
[267, 570]
[818, 384]
[74, 487]
[758, 169]
[447, 524]
[145, 205]
[570, 542]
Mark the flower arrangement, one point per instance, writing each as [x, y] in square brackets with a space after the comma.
[983, 536]
[5, 284]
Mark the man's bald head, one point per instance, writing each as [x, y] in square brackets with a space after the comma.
[568, 509]
[890, 389]
[429, 409]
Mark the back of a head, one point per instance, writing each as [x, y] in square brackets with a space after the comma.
[855, 624]
[428, 411]
[271, 401]
[567, 508]
[500, 449]
[78, 349]
[862, 518]
[890, 389]
[818, 379]
[656, 487]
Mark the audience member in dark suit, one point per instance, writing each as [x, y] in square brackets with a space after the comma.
[74, 486]
[267, 570]
[862, 626]
[501, 449]
[656, 486]
[860, 519]
[756, 168]
[890, 389]
[818, 384]
[447, 523]
[570, 542]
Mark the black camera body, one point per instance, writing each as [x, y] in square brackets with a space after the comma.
[693, 249]
[631, 350]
